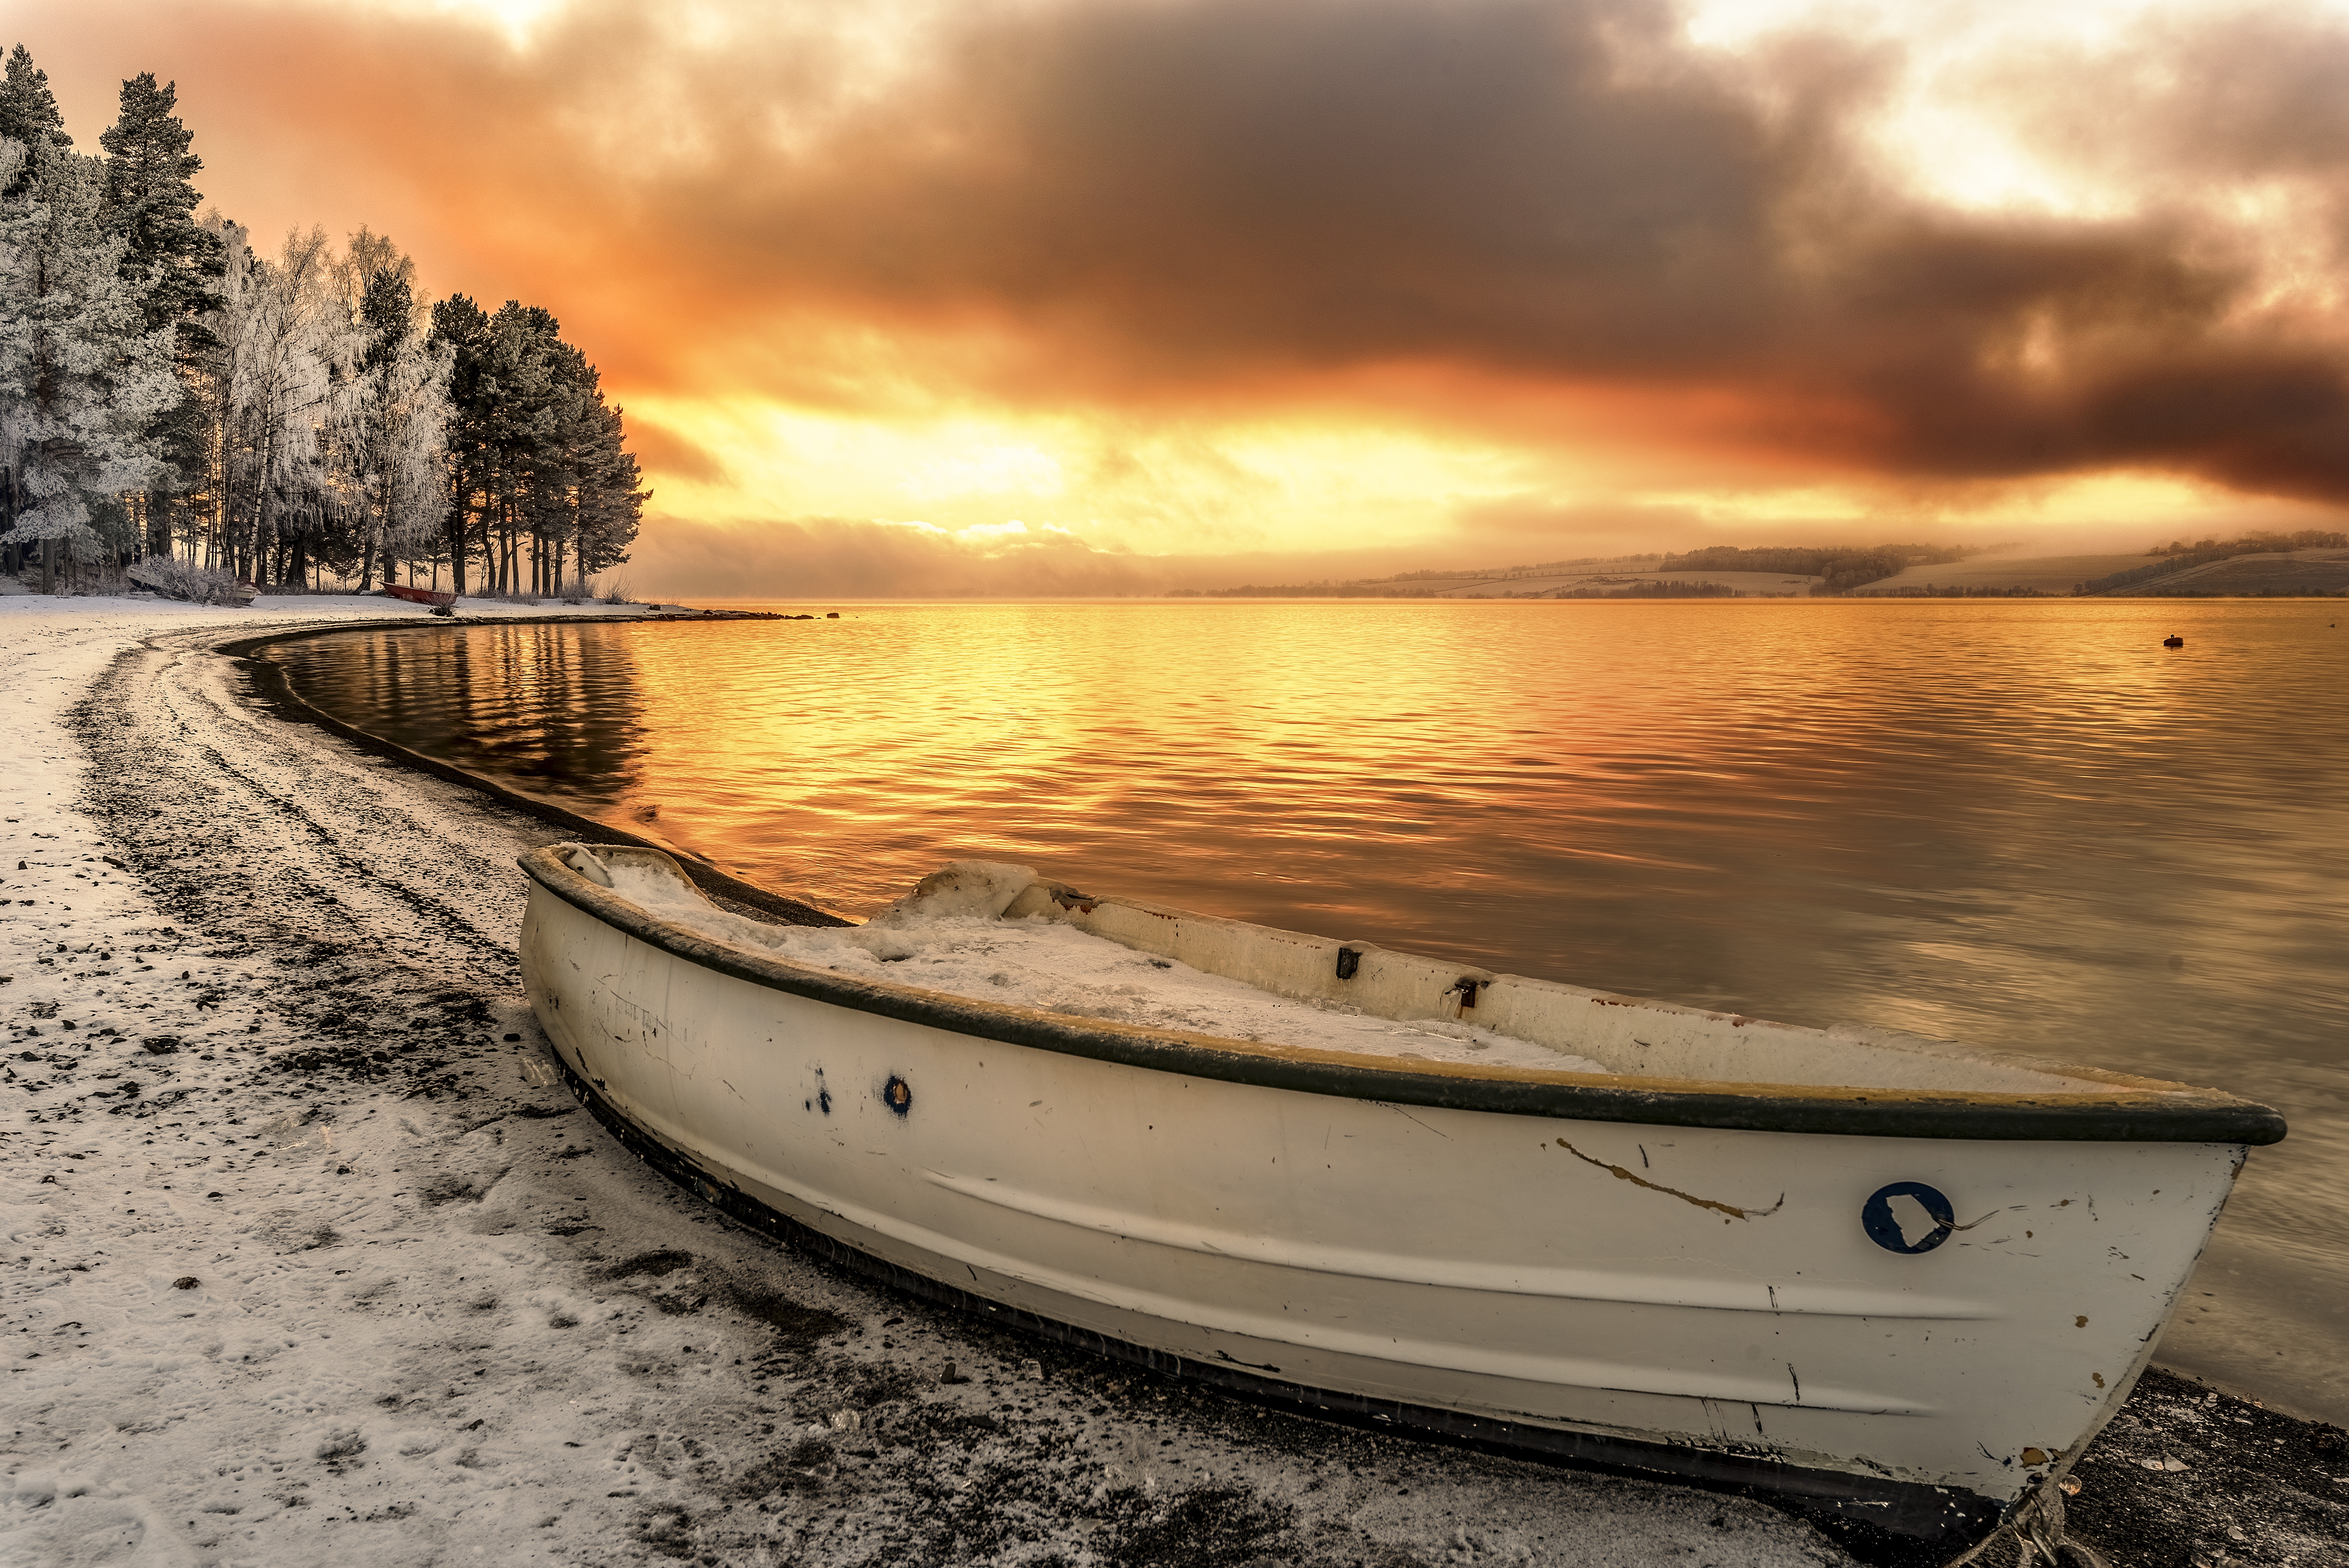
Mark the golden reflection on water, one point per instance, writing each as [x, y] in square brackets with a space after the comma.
[554, 717]
[2023, 824]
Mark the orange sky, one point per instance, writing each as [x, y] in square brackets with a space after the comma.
[1099, 294]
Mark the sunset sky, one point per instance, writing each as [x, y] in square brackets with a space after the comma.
[1104, 294]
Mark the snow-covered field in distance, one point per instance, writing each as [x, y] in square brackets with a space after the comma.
[309, 1259]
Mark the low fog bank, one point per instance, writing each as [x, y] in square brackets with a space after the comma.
[841, 558]
[835, 558]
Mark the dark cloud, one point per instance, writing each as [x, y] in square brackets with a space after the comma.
[2252, 94]
[1210, 203]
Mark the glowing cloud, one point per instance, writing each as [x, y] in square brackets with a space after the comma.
[1208, 277]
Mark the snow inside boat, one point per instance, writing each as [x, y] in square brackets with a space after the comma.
[1883, 1278]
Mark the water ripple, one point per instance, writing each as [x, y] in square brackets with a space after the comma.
[2024, 824]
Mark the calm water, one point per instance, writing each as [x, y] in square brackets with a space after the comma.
[2024, 824]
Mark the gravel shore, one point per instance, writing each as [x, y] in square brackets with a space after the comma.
[310, 1259]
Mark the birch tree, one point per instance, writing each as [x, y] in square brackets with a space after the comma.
[277, 337]
[401, 412]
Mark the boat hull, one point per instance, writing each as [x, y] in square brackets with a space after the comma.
[1717, 1304]
[439, 598]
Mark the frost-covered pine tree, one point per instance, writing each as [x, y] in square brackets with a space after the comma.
[559, 468]
[29, 117]
[84, 377]
[19, 217]
[175, 263]
[606, 506]
[150, 203]
[28, 114]
[612, 506]
[525, 415]
[536, 458]
[461, 328]
[213, 379]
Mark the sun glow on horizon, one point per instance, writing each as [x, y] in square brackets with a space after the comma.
[1150, 486]
[1244, 489]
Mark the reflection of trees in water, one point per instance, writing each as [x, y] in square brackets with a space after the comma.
[550, 709]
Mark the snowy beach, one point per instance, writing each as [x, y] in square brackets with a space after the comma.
[310, 1259]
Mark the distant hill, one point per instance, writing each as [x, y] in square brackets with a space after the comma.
[1499, 582]
[1720, 571]
[2025, 575]
[2313, 561]
[2310, 563]
[2264, 573]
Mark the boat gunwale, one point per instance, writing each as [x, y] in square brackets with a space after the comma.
[2123, 1115]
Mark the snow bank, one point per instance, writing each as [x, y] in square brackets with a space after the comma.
[944, 936]
[178, 579]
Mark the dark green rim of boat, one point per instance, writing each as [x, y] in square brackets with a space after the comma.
[2122, 1117]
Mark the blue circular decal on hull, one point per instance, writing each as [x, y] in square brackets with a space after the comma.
[1918, 1226]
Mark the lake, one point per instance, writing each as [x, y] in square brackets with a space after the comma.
[2020, 823]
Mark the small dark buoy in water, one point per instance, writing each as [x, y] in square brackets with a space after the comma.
[2173, 641]
[831, 615]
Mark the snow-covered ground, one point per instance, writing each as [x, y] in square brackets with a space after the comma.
[308, 1260]
[1037, 963]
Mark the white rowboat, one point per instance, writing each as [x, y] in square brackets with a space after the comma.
[1885, 1280]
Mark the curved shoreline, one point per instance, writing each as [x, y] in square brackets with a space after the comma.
[273, 683]
[326, 897]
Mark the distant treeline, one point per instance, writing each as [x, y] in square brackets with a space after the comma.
[1674, 589]
[169, 388]
[1930, 592]
[2180, 556]
[2159, 592]
[1842, 568]
[1385, 589]
[2260, 543]
[2136, 574]
[1539, 569]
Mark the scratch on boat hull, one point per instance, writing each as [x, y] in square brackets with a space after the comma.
[1636, 1181]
